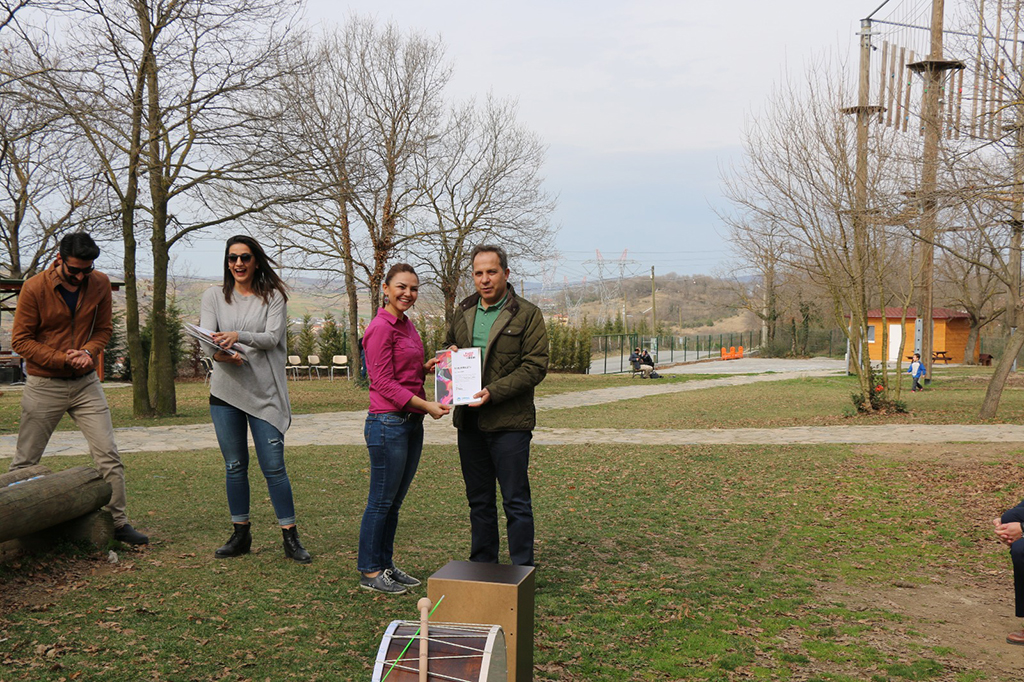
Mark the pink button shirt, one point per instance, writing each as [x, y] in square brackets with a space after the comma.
[394, 361]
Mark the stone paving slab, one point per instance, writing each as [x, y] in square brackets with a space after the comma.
[346, 428]
[795, 435]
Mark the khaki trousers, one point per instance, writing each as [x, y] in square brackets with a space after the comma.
[43, 404]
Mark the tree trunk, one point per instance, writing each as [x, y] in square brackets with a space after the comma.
[141, 405]
[37, 505]
[990, 405]
[972, 342]
[161, 367]
[351, 288]
[450, 290]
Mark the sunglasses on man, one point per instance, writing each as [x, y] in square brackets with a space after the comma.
[246, 257]
[72, 270]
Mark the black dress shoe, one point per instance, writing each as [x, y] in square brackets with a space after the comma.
[130, 536]
[238, 544]
[293, 549]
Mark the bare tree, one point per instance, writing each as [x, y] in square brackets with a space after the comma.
[971, 282]
[800, 175]
[322, 123]
[761, 249]
[398, 82]
[47, 183]
[482, 183]
[169, 97]
[359, 122]
[8, 10]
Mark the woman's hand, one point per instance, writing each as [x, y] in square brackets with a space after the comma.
[437, 410]
[230, 358]
[429, 364]
[225, 339]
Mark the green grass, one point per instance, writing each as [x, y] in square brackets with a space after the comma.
[680, 563]
[818, 401]
[656, 563]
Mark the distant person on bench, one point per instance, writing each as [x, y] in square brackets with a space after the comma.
[637, 361]
[646, 359]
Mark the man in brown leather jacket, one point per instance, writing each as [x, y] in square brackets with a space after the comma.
[61, 325]
[495, 433]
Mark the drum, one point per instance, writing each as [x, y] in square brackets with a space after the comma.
[457, 652]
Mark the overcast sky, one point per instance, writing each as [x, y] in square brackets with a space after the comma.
[640, 103]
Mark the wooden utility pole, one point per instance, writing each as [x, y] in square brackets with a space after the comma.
[933, 69]
[654, 307]
[858, 354]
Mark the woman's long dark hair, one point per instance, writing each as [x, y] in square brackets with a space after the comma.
[265, 281]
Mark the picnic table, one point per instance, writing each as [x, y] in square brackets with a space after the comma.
[940, 355]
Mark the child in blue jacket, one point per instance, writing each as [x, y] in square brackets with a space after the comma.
[916, 370]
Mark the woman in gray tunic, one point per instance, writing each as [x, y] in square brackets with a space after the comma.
[249, 388]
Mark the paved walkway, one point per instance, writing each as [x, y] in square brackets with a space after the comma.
[346, 428]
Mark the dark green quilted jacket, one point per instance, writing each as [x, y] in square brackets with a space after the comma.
[516, 360]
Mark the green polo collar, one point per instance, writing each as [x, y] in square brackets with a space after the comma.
[497, 306]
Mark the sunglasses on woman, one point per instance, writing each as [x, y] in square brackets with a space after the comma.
[246, 257]
[72, 270]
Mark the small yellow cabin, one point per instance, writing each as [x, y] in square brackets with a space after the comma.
[949, 336]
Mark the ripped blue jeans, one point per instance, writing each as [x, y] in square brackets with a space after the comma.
[230, 425]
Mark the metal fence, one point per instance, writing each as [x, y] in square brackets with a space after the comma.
[610, 352]
[810, 343]
[995, 345]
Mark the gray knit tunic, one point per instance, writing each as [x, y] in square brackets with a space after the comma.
[259, 387]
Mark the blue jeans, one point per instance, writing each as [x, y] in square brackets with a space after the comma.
[395, 442]
[230, 425]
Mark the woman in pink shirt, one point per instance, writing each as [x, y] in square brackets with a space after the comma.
[394, 427]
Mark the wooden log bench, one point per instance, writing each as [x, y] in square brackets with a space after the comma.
[39, 509]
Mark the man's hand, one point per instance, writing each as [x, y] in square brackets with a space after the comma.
[1008, 532]
[230, 358]
[79, 359]
[484, 397]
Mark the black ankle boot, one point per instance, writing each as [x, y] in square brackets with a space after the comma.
[293, 549]
[238, 544]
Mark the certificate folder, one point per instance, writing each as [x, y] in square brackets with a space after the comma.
[457, 376]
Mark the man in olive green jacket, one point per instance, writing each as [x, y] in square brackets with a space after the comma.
[495, 433]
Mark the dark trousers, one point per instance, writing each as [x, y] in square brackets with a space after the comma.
[1016, 515]
[504, 456]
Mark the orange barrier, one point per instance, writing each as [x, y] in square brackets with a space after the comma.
[732, 353]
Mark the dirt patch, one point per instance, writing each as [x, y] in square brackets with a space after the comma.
[972, 619]
[1014, 380]
[947, 453]
[34, 584]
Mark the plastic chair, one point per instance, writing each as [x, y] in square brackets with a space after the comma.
[314, 365]
[207, 364]
[295, 364]
[340, 362]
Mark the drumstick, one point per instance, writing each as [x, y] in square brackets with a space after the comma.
[424, 606]
[410, 641]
